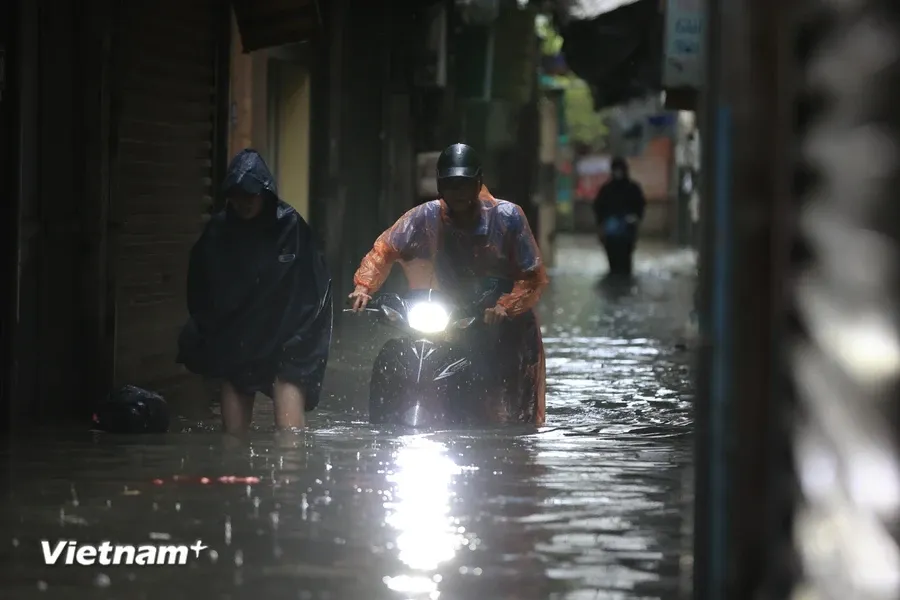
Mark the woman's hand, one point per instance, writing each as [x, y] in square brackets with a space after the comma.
[360, 299]
[495, 315]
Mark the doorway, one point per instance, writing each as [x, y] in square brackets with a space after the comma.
[289, 136]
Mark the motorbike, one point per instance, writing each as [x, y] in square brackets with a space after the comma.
[431, 374]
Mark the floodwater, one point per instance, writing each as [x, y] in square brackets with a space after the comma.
[592, 506]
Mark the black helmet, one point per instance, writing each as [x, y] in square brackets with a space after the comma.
[458, 160]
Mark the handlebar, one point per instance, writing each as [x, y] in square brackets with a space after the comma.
[374, 304]
[486, 299]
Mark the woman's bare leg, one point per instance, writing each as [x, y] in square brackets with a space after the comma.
[290, 406]
[237, 410]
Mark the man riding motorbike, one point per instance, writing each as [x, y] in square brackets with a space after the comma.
[453, 243]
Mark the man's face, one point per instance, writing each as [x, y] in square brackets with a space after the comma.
[246, 206]
[618, 173]
[460, 193]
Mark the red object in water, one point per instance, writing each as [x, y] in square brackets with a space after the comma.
[207, 480]
[233, 479]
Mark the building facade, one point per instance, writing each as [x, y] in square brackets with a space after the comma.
[119, 118]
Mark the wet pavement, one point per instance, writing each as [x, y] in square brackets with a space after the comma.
[591, 506]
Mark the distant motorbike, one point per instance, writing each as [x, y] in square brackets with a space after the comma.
[432, 374]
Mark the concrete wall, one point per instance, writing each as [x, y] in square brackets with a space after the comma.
[248, 118]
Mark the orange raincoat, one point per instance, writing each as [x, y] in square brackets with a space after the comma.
[435, 254]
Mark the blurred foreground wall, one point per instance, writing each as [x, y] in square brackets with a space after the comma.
[798, 488]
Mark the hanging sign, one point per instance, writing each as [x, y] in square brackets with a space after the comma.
[684, 61]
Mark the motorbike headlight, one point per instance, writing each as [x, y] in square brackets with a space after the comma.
[428, 317]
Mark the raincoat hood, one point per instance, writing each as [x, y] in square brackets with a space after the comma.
[249, 172]
[622, 164]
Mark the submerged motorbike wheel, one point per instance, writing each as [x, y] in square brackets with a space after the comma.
[393, 399]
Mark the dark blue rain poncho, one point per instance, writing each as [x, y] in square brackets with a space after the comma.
[259, 294]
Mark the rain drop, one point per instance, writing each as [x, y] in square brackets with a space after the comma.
[227, 531]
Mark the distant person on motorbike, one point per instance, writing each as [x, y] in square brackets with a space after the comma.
[619, 210]
[451, 244]
[259, 298]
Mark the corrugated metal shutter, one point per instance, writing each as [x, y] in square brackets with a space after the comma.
[165, 105]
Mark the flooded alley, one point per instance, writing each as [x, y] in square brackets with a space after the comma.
[591, 506]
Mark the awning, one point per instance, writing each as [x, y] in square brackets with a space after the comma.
[583, 10]
[268, 23]
[618, 51]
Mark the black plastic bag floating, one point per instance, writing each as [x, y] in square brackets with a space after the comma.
[131, 409]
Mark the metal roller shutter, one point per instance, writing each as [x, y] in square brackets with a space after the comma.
[162, 181]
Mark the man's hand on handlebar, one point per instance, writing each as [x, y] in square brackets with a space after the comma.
[359, 299]
[495, 315]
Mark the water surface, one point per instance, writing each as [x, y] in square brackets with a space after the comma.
[591, 506]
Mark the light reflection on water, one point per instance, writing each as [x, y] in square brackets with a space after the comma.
[426, 536]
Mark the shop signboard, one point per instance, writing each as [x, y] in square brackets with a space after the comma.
[684, 62]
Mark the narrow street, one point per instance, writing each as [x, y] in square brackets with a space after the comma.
[591, 506]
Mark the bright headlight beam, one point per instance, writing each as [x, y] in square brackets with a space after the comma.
[428, 317]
